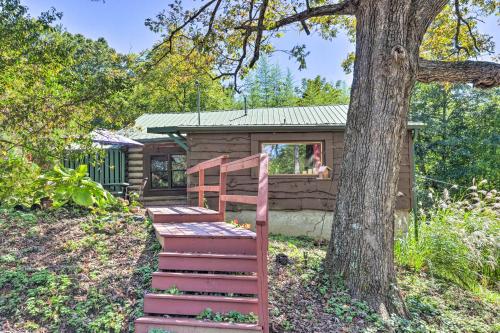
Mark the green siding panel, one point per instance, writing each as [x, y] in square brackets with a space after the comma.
[111, 170]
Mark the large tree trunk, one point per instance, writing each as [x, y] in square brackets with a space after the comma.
[361, 246]
[296, 159]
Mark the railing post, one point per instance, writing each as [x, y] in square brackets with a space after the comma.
[261, 228]
[201, 183]
[222, 190]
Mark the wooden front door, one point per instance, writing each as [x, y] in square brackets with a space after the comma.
[165, 168]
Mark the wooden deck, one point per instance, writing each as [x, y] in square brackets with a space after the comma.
[183, 214]
[211, 263]
[202, 229]
[205, 237]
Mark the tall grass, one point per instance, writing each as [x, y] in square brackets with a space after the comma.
[459, 239]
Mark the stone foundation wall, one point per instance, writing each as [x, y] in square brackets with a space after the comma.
[312, 223]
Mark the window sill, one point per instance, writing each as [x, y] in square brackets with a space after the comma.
[312, 177]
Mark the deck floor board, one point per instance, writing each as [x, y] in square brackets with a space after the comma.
[181, 210]
[202, 229]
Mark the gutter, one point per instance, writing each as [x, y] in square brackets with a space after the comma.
[257, 128]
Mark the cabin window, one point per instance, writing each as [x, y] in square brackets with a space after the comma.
[159, 172]
[294, 158]
[179, 165]
[168, 171]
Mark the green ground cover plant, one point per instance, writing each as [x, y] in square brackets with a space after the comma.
[73, 270]
[230, 317]
[77, 272]
[457, 240]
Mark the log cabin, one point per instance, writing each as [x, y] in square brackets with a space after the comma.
[305, 148]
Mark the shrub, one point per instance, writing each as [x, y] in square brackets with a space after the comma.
[18, 177]
[458, 239]
[25, 184]
[65, 185]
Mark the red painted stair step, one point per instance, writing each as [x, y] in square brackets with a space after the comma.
[188, 325]
[209, 245]
[208, 262]
[205, 237]
[193, 304]
[182, 214]
[216, 283]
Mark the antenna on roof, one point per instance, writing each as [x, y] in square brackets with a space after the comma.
[245, 103]
[197, 83]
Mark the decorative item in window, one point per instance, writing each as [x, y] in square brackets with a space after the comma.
[294, 158]
[324, 172]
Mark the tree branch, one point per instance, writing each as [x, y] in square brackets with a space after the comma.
[482, 74]
[347, 7]
[258, 39]
[212, 18]
[189, 20]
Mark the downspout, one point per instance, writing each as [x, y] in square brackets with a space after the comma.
[413, 182]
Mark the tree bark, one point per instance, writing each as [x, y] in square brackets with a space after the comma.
[388, 36]
[481, 74]
[296, 159]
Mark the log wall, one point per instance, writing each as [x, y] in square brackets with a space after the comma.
[285, 192]
[135, 166]
[138, 169]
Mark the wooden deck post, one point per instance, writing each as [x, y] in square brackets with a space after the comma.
[261, 228]
[222, 190]
[201, 183]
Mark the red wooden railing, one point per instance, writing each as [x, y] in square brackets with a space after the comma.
[262, 214]
[202, 188]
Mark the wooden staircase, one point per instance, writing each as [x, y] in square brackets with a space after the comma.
[207, 263]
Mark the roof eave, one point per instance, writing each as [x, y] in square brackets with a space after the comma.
[252, 128]
[160, 139]
[258, 128]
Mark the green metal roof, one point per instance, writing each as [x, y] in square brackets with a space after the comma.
[262, 119]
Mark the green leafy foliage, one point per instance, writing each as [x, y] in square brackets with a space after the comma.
[171, 85]
[434, 304]
[461, 126]
[77, 291]
[25, 184]
[318, 91]
[64, 185]
[158, 330]
[55, 87]
[231, 316]
[268, 85]
[88, 284]
[17, 176]
[458, 240]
